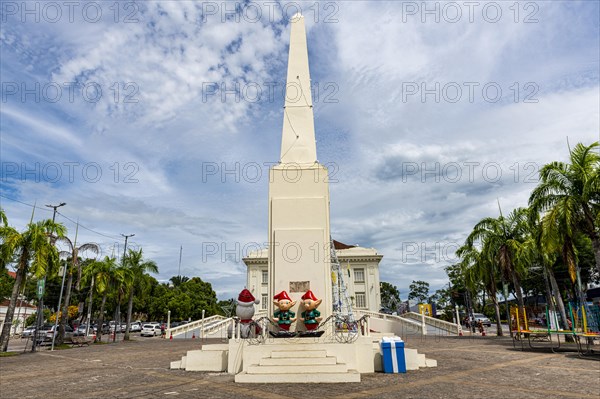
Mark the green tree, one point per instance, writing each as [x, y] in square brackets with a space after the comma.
[178, 280]
[73, 265]
[33, 251]
[501, 241]
[569, 194]
[478, 271]
[138, 266]
[390, 296]
[100, 275]
[6, 283]
[419, 290]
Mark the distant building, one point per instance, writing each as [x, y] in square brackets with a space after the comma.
[23, 310]
[361, 275]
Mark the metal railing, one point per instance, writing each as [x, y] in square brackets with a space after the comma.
[206, 326]
[432, 321]
[407, 326]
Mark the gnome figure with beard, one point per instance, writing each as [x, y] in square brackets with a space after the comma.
[245, 311]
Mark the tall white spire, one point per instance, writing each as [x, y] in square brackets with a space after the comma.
[298, 138]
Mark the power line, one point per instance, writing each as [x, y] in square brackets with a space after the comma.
[63, 215]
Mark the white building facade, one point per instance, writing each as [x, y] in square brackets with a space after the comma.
[360, 268]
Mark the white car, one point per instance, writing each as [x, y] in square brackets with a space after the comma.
[150, 330]
[135, 327]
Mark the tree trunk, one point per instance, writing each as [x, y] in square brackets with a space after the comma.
[518, 290]
[64, 316]
[596, 245]
[101, 318]
[89, 313]
[497, 310]
[559, 301]
[10, 312]
[129, 310]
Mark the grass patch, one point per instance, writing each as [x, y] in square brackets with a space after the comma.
[8, 354]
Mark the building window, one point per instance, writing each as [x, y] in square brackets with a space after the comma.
[265, 277]
[263, 301]
[361, 300]
[359, 275]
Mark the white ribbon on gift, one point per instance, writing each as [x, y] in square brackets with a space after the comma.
[393, 341]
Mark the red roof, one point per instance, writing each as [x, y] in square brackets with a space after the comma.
[12, 274]
[23, 304]
[341, 245]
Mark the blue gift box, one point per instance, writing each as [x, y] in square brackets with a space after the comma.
[392, 350]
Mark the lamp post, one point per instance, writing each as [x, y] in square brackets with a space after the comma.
[41, 294]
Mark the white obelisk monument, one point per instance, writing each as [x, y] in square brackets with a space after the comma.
[299, 194]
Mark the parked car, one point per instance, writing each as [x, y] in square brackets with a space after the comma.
[135, 327]
[483, 318]
[50, 331]
[105, 328]
[28, 332]
[150, 330]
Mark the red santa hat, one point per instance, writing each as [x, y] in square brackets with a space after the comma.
[281, 296]
[309, 295]
[246, 297]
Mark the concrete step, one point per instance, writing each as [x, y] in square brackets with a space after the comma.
[176, 365]
[298, 369]
[312, 378]
[298, 361]
[215, 347]
[304, 353]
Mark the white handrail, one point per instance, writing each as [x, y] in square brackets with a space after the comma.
[384, 316]
[194, 325]
[437, 323]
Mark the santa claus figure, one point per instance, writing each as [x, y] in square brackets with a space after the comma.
[245, 311]
[283, 316]
[311, 317]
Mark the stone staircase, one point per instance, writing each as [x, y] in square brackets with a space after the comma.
[298, 366]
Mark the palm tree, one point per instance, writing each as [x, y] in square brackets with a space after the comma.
[502, 244]
[178, 280]
[569, 194]
[75, 265]
[33, 251]
[542, 249]
[121, 281]
[101, 273]
[477, 269]
[135, 262]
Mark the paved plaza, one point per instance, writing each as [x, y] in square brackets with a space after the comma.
[478, 367]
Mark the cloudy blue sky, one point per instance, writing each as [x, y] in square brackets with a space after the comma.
[160, 119]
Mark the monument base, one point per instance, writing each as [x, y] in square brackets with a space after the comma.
[282, 334]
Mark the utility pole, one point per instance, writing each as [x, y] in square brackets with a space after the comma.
[179, 272]
[118, 309]
[62, 286]
[40, 307]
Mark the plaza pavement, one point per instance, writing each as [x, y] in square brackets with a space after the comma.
[468, 367]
